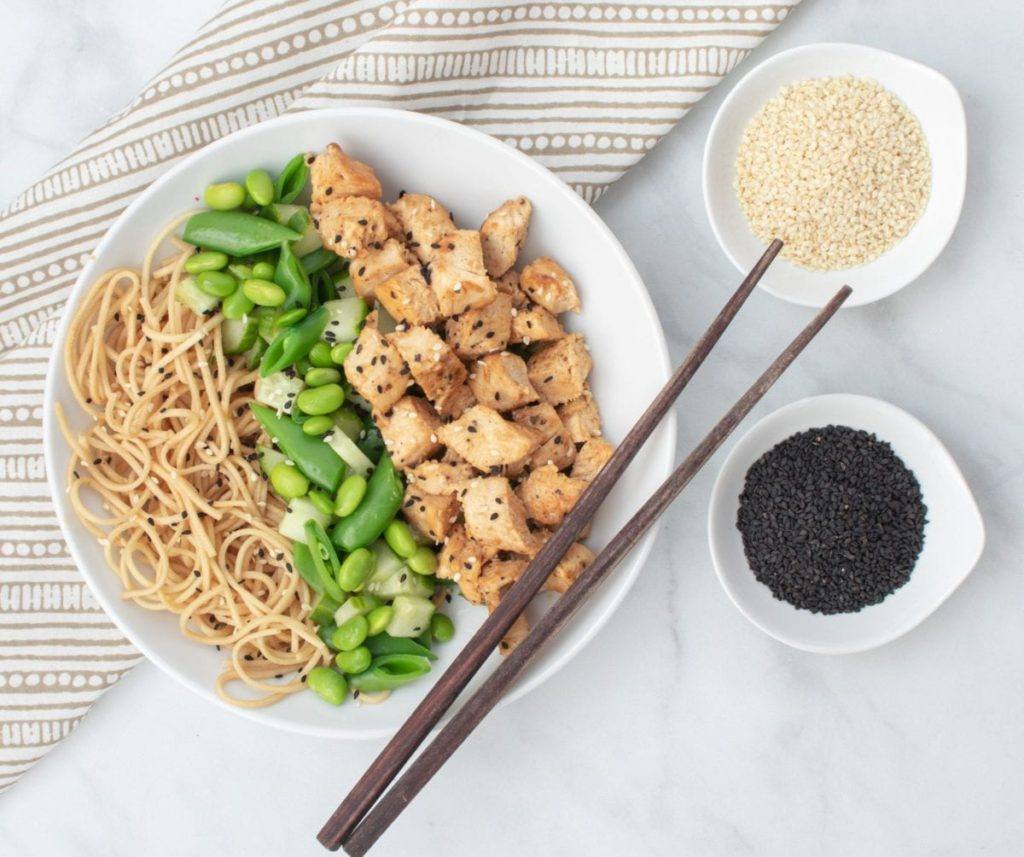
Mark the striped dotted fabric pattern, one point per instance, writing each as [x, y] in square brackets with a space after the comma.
[586, 88]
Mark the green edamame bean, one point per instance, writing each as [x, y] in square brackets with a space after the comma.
[316, 426]
[329, 685]
[220, 284]
[354, 662]
[399, 538]
[341, 351]
[422, 561]
[263, 271]
[351, 634]
[350, 495]
[224, 196]
[260, 186]
[208, 260]
[288, 481]
[320, 355]
[236, 305]
[293, 316]
[321, 500]
[320, 400]
[357, 566]
[318, 377]
[242, 272]
[378, 619]
[441, 627]
[263, 292]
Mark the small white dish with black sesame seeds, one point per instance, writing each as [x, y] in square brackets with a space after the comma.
[928, 95]
[954, 534]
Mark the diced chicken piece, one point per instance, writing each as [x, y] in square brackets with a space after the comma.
[546, 283]
[487, 440]
[503, 233]
[577, 558]
[520, 628]
[424, 223]
[441, 477]
[581, 417]
[432, 515]
[410, 431]
[593, 455]
[375, 368]
[557, 447]
[496, 517]
[407, 297]
[549, 495]
[434, 366]
[508, 284]
[498, 575]
[334, 174]
[372, 267]
[456, 404]
[353, 224]
[501, 381]
[480, 331]
[532, 323]
[457, 273]
[462, 559]
[559, 370]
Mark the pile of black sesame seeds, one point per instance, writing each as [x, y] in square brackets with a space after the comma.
[832, 520]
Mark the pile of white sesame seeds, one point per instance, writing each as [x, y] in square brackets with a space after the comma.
[836, 167]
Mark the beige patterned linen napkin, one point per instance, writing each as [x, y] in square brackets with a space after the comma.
[586, 88]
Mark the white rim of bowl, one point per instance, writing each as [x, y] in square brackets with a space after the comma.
[52, 435]
[712, 140]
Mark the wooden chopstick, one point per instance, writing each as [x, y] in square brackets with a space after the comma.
[486, 697]
[454, 680]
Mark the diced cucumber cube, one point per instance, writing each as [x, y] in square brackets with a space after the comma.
[411, 617]
[269, 458]
[351, 454]
[356, 605]
[293, 523]
[388, 562]
[402, 583]
[278, 390]
[189, 294]
[344, 319]
[239, 334]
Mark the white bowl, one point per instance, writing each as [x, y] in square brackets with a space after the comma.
[954, 534]
[930, 97]
[472, 173]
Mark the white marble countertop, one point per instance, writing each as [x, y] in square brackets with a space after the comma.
[681, 729]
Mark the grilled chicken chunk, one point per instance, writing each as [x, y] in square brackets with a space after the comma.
[375, 369]
[503, 233]
[547, 284]
[354, 224]
[424, 223]
[334, 174]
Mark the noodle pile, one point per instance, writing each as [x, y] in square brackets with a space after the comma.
[189, 524]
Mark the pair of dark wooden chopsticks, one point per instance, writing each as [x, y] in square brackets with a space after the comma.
[357, 824]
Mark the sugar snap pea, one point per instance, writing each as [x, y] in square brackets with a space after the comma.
[309, 571]
[384, 493]
[292, 179]
[387, 672]
[288, 274]
[383, 643]
[294, 343]
[236, 232]
[321, 464]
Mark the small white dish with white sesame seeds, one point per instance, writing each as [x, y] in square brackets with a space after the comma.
[933, 100]
[954, 534]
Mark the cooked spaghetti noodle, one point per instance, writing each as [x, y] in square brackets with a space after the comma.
[188, 522]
